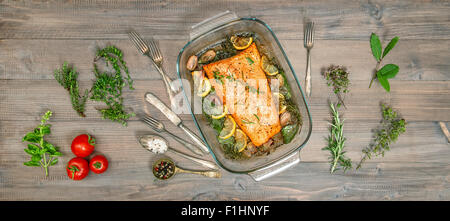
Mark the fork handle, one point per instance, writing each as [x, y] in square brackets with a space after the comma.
[308, 74]
[167, 82]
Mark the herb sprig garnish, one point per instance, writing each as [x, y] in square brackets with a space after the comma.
[337, 77]
[43, 154]
[108, 86]
[391, 128]
[68, 78]
[388, 71]
[336, 142]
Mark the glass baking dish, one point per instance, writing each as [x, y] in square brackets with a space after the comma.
[212, 31]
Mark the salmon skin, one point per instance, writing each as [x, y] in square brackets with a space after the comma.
[242, 86]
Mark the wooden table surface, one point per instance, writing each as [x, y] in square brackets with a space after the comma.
[36, 37]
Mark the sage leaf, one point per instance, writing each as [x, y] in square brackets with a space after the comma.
[389, 71]
[383, 81]
[391, 45]
[54, 161]
[375, 45]
[289, 132]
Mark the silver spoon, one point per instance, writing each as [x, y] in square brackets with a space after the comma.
[159, 145]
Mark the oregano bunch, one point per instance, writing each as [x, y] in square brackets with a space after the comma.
[337, 77]
[67, 77]
[388, 71]
[392, 126]
[43, 154]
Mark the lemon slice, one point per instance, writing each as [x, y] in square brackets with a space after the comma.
[204, 88]
[241, 43]
[228, 129]
[241, 140]
[269, 68]
[225, 111]
[281, 102]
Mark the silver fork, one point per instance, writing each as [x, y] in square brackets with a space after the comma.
[309, 43]
[152, 50]
[159, 127]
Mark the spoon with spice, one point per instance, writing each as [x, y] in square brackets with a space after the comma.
[164, 169]
[158, 145]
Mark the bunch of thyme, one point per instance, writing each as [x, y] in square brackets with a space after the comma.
[337, 76]
[68, 78]
[336, 142]
[108, 86]
[391, 128]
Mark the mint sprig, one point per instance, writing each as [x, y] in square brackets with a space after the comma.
[43, 154]
[388, 71]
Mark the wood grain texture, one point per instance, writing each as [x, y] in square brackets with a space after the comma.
[36, 37]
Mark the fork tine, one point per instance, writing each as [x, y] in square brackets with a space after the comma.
[312, 33]
[140, 41]
[155, 50]
[151, 120]
[152, 49]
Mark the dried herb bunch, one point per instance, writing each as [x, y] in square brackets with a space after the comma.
[391, 128]
[68, 78]
[43, 154]
[108, 87]
[336, 142]
[337, 77]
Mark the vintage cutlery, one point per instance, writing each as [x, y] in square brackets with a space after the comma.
[165, 169]
[152, 50]
[147, 141]
[152, 99]
[159, 127]
[309, 43]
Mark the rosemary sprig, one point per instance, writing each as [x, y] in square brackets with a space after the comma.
[391, 128]
[337, 76]
[107, 87]
[336, 142]
[68, 78]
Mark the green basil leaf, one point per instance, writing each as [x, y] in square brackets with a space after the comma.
[49, 146]
[375, 45]
[391, 45]
[384, 82]
[56, 154]
[28, 151]
[32, 137]
[36, 157]
[289, 132]
[45, 129]
[54, 161]
[32, 164]
[33, 147]
[389, 71]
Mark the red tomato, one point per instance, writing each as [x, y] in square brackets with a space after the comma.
[98, 164]
[83, 145]
[77, 168]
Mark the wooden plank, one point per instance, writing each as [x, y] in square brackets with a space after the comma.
[415, 100]
[305, 181]
[37, 59]
[100, 19]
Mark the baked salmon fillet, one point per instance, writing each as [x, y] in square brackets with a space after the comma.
[242, 86]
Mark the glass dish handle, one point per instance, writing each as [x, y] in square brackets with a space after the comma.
[211, 23]
[278, 167]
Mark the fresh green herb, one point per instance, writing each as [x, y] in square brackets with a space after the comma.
[388, 71]
[337, 77]
[288, 132]
[250, 61]
[391, 128]
[336, 142]
[228, 147]
[108, 86]
[256, 116]
[247, 122]
[68, 78]
[43, 153]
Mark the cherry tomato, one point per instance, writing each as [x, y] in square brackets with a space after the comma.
[83, 145]
[98, 164]
[77, 168]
